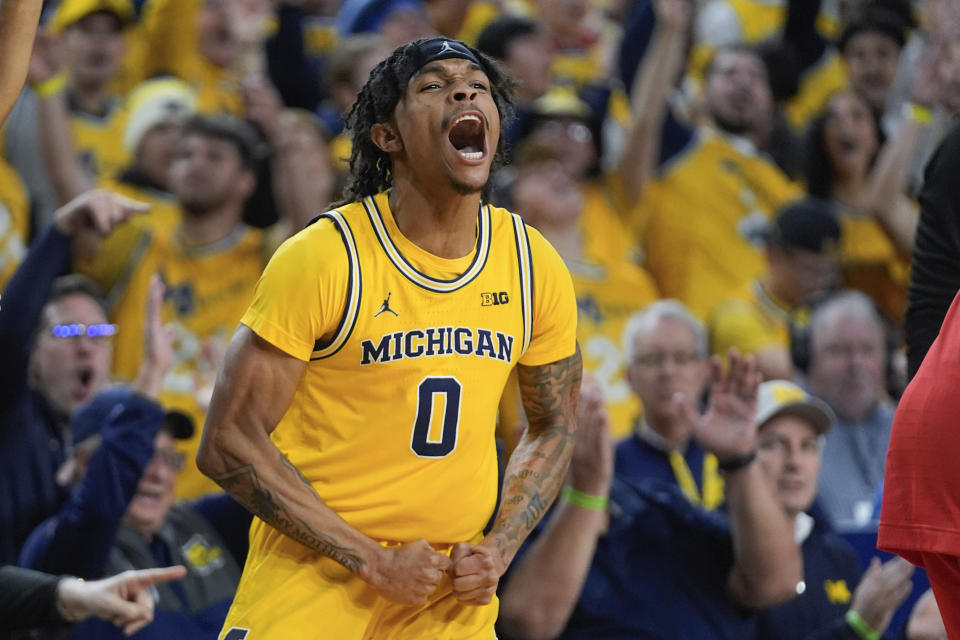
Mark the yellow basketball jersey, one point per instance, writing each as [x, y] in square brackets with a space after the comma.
[408, 362]
[709, 211]
[393, 420]
[207, 290]
[14, 221]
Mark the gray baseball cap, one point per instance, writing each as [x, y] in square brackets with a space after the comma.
[777, 397]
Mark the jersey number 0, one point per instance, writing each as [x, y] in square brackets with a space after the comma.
[427, 394]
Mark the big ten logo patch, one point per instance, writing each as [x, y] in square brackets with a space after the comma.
[494, 298]
[203, 557]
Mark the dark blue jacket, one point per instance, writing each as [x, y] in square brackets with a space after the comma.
[831, 572]
[33, 440]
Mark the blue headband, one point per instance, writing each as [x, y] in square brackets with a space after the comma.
[443, 49]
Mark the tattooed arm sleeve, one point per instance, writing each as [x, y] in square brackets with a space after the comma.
[253, 390]
[538, 466]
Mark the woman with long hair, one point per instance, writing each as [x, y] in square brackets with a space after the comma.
[850, 163]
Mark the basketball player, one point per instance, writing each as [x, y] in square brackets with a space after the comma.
[364, 440]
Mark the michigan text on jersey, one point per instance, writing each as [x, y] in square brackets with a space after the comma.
[437, 341]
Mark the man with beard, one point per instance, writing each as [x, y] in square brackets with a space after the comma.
[356, 408]
[55, 350]
[209, 265]
[712, 202]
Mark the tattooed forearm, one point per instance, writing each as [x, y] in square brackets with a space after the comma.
[549, 391]
[539, 464]
[243, 484]
[289, 465]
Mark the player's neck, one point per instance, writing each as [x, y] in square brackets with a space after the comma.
[203, 228]
[444, 224]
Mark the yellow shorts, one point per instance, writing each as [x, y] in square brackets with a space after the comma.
[289, 592]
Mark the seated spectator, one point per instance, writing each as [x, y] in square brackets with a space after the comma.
[638, 560]
[56, 349]
[122, 515]
[666, 349]
[836, 602]
[609, 287]
[847, 364]
[801, 264]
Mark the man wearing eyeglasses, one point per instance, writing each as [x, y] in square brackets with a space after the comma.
[666, 351]
[121, 514]
[55, 353]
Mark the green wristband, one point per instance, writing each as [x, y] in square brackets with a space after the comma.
[585, 500]
[860, 626]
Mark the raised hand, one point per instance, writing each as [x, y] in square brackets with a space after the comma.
[592, 465]
[476, 573]
[158, 342]
[264, 107]
[46, 61]
[408, 574]
[124, 599]
[727, 428]
[674, 15]
[98, 212]
[882, 589]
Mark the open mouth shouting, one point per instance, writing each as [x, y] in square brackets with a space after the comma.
[467, 134]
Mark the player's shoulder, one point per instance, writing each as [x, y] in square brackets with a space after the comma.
[327, 226]
[321, 241]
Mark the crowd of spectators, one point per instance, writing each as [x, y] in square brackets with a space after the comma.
[734, 186]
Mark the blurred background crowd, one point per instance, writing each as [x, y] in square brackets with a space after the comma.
[716, 174]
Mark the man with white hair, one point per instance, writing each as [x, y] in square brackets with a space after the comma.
[666, 351]
[847, 369]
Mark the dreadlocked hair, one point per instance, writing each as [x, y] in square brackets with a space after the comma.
[370, 166]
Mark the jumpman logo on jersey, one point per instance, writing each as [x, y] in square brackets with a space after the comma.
[386, 306]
